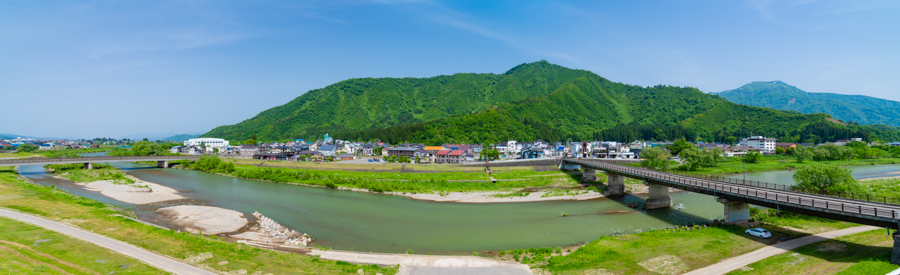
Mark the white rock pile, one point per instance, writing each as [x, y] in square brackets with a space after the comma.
[278, 232]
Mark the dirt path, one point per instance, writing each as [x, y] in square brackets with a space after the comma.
[728, 265]
[138, 253]
[428, 264]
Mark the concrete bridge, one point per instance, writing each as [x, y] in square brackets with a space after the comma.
[736, 195]
[161, 161]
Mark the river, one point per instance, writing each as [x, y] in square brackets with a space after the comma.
[382, 223]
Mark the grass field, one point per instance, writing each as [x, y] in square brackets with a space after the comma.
[377, 166]
[773, 163]
[28, 249]
[219, 255]
[861, 253]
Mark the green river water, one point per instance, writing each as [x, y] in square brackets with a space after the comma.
[382, 223]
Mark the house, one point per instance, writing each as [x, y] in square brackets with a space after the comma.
[456, 157]
[366, 149]
[766, 145]
[895, 144]
[409, 152]
[738, 151]
[309, 155]
[441, 156]
[249, 150]
[347, 156]
[327, 150]
[785, 145]
[532, 153]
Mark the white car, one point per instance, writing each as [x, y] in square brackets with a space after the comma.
[759, 232]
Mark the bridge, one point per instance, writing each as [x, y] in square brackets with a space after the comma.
[161, 161]
[737, 195]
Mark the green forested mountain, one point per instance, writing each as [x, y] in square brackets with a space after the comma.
[849, 108]
[366, 103]
[181, 137]
[531, 101]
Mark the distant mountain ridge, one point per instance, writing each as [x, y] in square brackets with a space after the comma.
[181, 137]
[849, 108]
[536, 100]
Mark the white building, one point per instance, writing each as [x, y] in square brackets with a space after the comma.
[210, 142]
[766, 145]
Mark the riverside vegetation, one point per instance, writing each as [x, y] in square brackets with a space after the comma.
[208, 251]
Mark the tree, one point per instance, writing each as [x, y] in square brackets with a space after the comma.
[655, 158]
[680, 145]
[895, 151]
[779, 150]
[731, 140]
[711, 157]
[752, 157]
[693, 158]
[250, 141]
[26, 148]
[803, 153]
[821, 154]
[822, 178]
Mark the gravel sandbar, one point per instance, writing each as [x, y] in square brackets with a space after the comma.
[206, 219]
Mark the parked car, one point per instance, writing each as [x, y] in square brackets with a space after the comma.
[371, 160]
[759, 232]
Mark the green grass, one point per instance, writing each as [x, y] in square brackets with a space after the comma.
[882, 187]
[104, 219]
[28, 249]
[795, 224]
[624, 254]
[861, 253]
[733, 165]
[76, 172]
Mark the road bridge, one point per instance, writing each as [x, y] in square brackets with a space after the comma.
[161, 161]
[737, 195]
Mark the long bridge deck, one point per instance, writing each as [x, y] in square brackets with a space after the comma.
[44, 161]
[858, 211]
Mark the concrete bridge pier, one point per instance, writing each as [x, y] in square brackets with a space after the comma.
[895, 254]
[162, 164]
[88, 165]
[589, 175]
[735, 210]
[615, 186]
[659, 197]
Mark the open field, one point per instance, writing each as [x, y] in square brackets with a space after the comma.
[18, 155]
[861, 253]
[28, 249]
[204, 251]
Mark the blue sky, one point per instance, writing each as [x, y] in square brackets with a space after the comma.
[118, 68]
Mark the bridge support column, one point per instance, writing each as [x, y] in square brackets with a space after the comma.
[88, 165]
[615, 185]
[589, 175]
[162, 164]
[895, 254]
[735, 210]
[659, 197]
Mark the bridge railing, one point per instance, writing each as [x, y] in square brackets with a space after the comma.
[95, 159]
[697, 180]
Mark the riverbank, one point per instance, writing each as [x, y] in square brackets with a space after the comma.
[208, 252]
[733, 166]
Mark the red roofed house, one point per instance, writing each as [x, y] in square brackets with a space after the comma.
[442, 156]
[457, 156]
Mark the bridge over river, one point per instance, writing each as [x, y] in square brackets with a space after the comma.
[161, 161]
[737, 195]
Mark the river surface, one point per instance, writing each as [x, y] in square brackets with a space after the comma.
[382, 223]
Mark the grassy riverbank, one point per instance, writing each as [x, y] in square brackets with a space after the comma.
[861, 253]
[776, 162]
[668, 251]
[76, 172]
[106, 220]
[28, 249]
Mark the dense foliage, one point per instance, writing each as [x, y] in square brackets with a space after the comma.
[826, 178]
[144, 148]
[212, 164]
[655, 158]
[531, 101]
[850, 108]
[26, 148]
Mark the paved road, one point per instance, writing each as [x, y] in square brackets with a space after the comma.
[138, 253]
[769, 251]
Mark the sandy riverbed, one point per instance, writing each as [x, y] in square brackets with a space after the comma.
[206, 219]
[141, 192]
